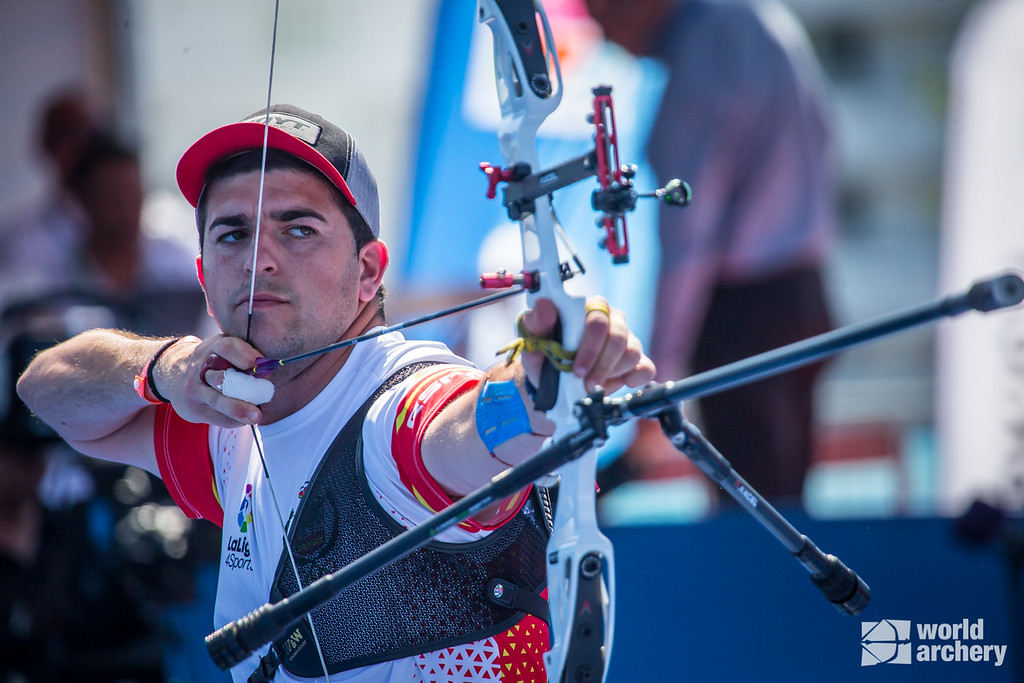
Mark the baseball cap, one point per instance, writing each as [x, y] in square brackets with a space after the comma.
[318, 142]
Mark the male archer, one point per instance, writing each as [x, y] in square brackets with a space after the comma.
[355, 444]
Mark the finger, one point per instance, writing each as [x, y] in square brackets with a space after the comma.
[243, 387]
[540, 320]
[212, 417]
[632, 368]
[605, 338]
[630, 357]
[609, 359]
[212, 372]
[620, 360]
[207, 406]
[213, 378]
[230, 409]
[236, 352]
[230, 352]
[641, 374]
[596, 327]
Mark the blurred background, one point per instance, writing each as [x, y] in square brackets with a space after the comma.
[927, 109]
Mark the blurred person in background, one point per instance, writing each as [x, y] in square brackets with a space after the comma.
[45, 234]
[150, 281]
[93, 556]
[743, 120]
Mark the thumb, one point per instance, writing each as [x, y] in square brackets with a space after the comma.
[541, 319]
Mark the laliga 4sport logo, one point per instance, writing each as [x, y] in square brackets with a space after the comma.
[890, 641]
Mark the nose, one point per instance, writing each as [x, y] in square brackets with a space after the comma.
[265, 255]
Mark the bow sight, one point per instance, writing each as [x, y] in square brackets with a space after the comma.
[613, 199]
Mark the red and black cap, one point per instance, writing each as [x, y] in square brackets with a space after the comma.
[318, 142]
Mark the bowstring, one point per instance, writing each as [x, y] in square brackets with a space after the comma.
[248, 333]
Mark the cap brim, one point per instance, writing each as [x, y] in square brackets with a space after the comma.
[226, 141]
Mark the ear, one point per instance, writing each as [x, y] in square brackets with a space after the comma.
[373, 261]
[202, 282]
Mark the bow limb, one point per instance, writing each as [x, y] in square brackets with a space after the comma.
[580, 572]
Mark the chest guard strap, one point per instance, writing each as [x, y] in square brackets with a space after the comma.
[433, 598]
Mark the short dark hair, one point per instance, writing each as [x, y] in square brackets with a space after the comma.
[252, 160]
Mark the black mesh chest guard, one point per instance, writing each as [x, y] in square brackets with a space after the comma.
[433, 598]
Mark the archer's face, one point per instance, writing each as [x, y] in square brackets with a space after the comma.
[309, 278]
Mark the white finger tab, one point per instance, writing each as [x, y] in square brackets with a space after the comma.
[245, 387]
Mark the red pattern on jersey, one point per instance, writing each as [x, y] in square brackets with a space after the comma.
[419, 406]
[183, 456]
[515, 656]
[522, 648]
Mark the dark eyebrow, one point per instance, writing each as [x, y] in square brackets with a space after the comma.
[289, 215]
[283, 216]
[237, 220]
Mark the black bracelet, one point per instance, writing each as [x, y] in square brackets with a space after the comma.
[151, 374]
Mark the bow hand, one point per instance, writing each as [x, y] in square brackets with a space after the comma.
[609, 354]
